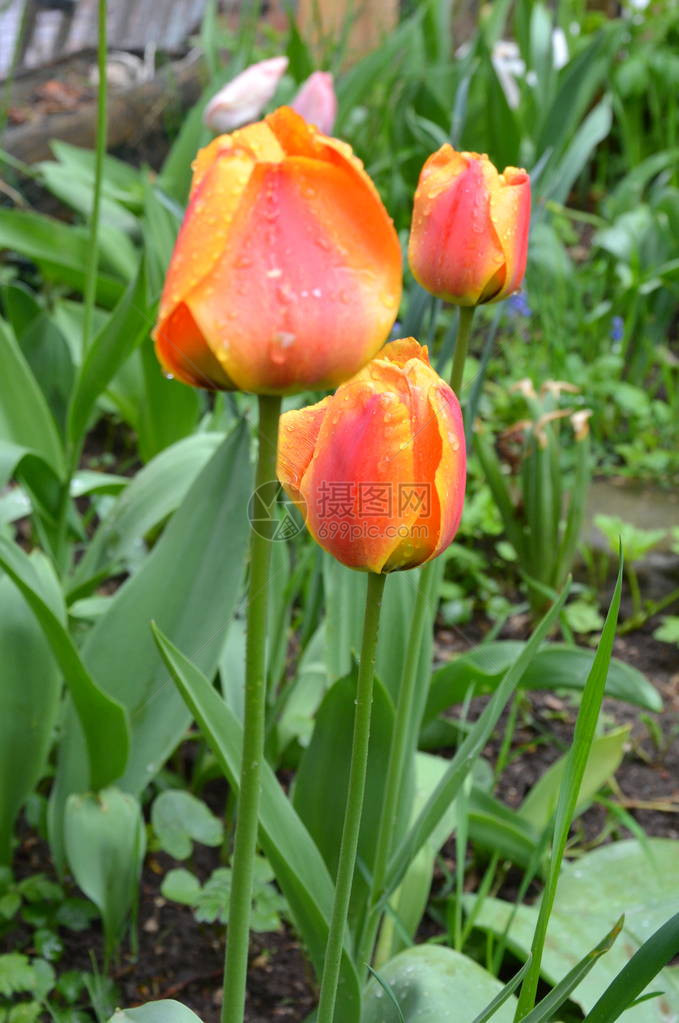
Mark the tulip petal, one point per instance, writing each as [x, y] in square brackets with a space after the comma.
[256, 139]
[363, 453]
[203, 234]
[297, 438]
[451, 472]
[183, 352]
[454, 250]
[510, 213]
[309, 283]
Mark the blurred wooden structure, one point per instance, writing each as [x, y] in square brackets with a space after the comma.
[366, 21]
[34, 33]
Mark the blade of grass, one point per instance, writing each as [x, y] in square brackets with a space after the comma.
[568, 795]
[644, 965]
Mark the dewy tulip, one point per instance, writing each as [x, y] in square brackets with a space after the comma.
[286, 274]
[245, 96]
[378, 468]
[469, 236]
[316, 101]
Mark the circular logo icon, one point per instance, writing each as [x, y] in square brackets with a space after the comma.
[272, 514]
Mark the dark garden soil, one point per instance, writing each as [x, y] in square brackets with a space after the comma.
[182, 959]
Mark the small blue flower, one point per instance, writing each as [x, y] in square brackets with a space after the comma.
[518, 305]
[396, 331]
[617, 328]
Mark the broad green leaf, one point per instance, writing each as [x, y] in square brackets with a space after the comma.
[641, 882]
[292, 853]
[189, 584]
[59, 249]
[48, 355]
[323, 776]
[112, 344]
[154, 493]
[557, 666]
[434, 985]
[105, 842]
[30, 688]
[605, 757]
[169, 410]
[104, 736]
[496, 828]
[167, 1011]
[557, 182]
[25, 419]
[179, 819]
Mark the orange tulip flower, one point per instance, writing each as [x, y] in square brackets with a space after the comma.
[286, 274]
[469, 236]
[378, 468]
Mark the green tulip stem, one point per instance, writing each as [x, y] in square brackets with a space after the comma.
[464, 330]
[261, 534]
[354, 805]
[398, 750]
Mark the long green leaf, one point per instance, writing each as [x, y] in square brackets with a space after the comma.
[25, 419]
[115, 341]
[30, 688]
[295, 859]
[101, 718]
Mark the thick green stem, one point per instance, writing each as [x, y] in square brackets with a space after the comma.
[354, 806]
[237, 944]
[61, 552]
[100, 152]
[461, 346]
[399, 751]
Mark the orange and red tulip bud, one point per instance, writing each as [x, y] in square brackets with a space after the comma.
[286, 273]
[378, 468]
[469, 236]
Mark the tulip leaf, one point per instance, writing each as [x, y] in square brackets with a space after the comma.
[288, 846]
[189, 584]
[99, 719]
[323, 776]
[105, 843]
[122, 331]
[165, 1011]
[153, 494]
[30, 688]
[25, 419]
[60, 250]
[556, 666]
[430, 984]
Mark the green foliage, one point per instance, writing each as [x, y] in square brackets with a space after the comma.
[179, 819]
[105, 843]
[210, 901]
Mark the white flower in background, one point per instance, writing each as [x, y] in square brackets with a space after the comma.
[559, 48]
[510, 67]
[244, 97]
